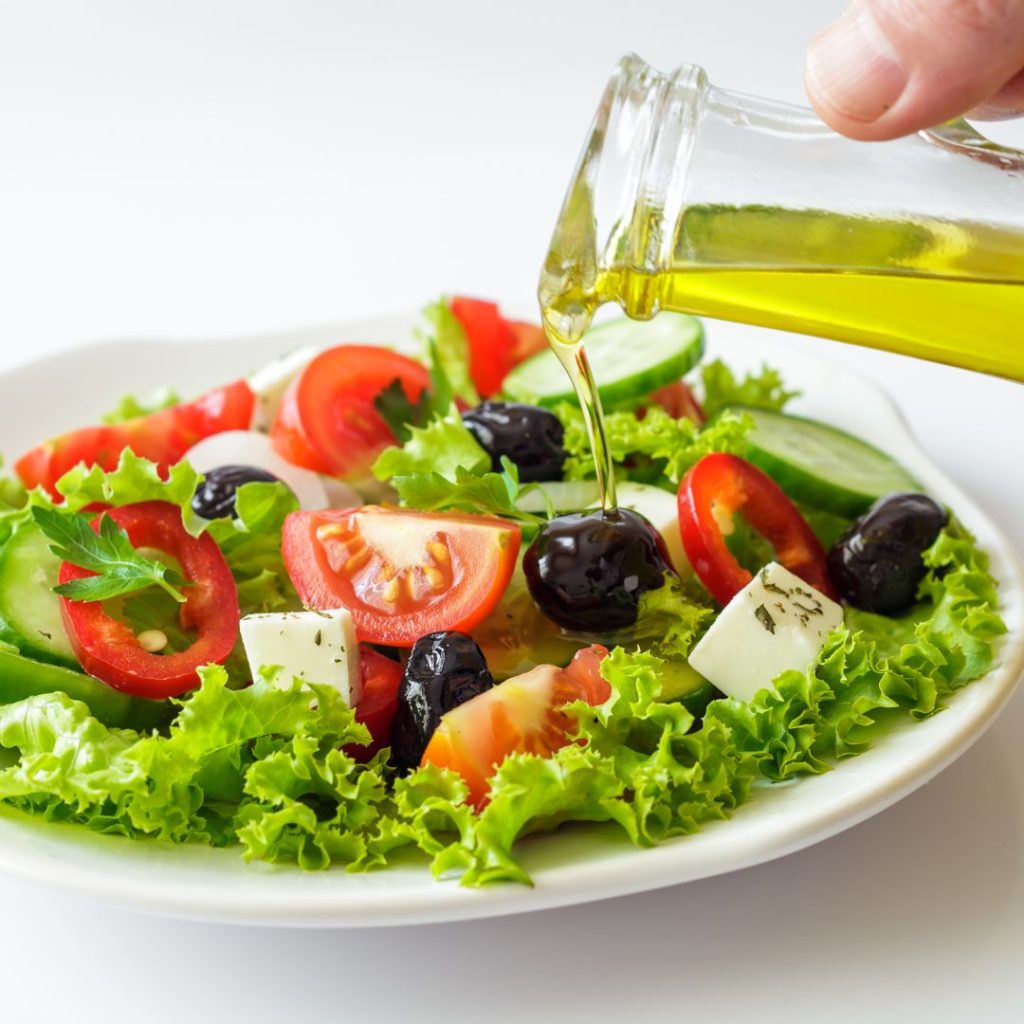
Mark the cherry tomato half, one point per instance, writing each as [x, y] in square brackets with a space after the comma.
[327, 421]
[721, 485]
[521, 715]
[164, 436]
[110, 651]
[401, 574]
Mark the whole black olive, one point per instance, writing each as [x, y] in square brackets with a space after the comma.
[215, 495]
[876, 564]
[529, 436]
[588, 570]
[444, 670]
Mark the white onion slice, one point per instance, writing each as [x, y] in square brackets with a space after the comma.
[251, 448]
[341, 494]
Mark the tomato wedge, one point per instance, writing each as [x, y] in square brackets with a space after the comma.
[164, 436]
[380, 677]
[495, 344]
[718, 487]
[327, 421]
[401, 574]
[521, 715]
[110, 651]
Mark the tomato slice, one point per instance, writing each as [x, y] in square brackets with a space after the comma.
[164, 436]
[530, 339]
[721, 485]
[679, 401]
[401, 574]
[110, 651]
[490, 340]
[327, 421]
[495, 344]
[380, 678]
[521, 715]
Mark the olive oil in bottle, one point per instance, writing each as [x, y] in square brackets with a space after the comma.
[694, 199]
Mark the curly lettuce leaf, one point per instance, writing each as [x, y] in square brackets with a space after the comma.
[657, 449]
[130, 407]
[443, 468]
[722, 389]
[187, 786]
[447, 345]
[134, 479]
[443, 446]
[267, 768]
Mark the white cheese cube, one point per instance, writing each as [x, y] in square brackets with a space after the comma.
[776, 622]
[271, 382]
[317, 647]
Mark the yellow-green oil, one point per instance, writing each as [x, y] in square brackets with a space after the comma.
[948, 292]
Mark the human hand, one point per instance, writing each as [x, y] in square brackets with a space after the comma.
[891, 67]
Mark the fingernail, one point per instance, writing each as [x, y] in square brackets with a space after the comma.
[852, 68]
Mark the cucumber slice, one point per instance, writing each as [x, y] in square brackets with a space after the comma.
[822, 465]
[564, 495]
[30, 615]
[630, 359]
[22, 677]
[680, 683]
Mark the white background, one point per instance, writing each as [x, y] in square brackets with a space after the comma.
[194, 169]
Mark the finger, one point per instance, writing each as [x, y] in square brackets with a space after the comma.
[890, 67]
[1007, 103]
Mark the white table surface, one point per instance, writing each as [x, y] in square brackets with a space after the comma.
[202, 168]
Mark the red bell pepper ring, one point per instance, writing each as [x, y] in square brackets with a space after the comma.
[721, 485]
[110, 651]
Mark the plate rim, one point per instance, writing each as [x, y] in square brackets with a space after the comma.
[559, 885]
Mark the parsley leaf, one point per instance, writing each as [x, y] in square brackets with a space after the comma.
[109, 553]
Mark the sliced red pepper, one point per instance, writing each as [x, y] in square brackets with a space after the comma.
[720, 486]
[110, 651]
[163, 437]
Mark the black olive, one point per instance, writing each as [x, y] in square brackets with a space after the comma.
[215, 495]
[529, 436]
[444, 670]
[876, 564]
[588, 570]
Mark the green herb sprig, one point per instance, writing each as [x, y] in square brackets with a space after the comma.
[107, 552]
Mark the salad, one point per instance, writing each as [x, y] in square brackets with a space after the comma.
[360, 603]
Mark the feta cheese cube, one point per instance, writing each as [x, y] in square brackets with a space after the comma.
[776, 622]
[317, 647]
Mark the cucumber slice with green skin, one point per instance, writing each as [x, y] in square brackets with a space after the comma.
[822, 465]
[564, 495]
[629, 358]
[30, 616]
[685, 685]
[22, 677]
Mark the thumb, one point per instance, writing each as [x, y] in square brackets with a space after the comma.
[891, 67]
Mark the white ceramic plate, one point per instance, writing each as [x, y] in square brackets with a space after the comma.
[575, 865]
